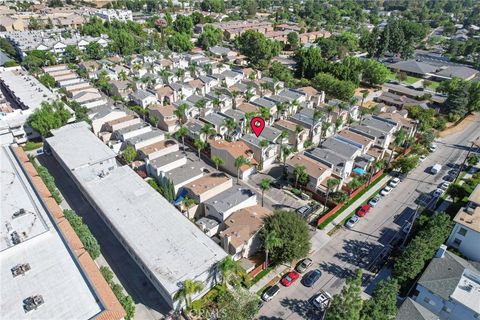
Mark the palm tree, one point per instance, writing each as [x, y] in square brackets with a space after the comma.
[325, 127]
[200, 105]
[239, 162]
[180, 112]
[263, 144]
[298, 172]
[364, 95]
[235, 94]
[248, 117]
[180, 73]
[354, 184]
[342, 106]
[181, 134]
[216, 102]
[230, 124]
[248, 95]
[286, 151]
[282, 137]
[264, 113]
[400, 137]
[165, 74]
[200, 145]
[363, 113]
[374, 168]
[271, 242]
[208, 130]
[338, 124]
[188, 288]
[218, 161]
[329, 109]
[193, 69]
[317, 114]
[230, 270]
[331, 184]
[265, 186]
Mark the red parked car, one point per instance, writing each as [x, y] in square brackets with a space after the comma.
[290, 278]
[362, 212]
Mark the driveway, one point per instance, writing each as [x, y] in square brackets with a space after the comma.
[348, 250]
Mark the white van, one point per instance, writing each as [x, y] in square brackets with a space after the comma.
[436, 168]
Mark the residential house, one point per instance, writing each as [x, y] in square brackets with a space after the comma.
[461, 72]
[145, 139]
[450, 287]
[165, 95]
[402, 121]
[241, 235]
[412, 310]
[229, 151]
[181, 91]
[121, 88]
[209, 83]
[225, 102]
[465, 235]
[240, 121]
[305, 119]
[273, 135]
[270, 105]
[358, 140]
[266, 155]
[125, 133]
[99, 120]
[167, 119]
[165, 163]
[194, 127]
[158, 149]
[184, 174]
[143, 98]
[317, 171]
[413, 68]
[297, 135]
[224, 204]
[217, 121]
[222, 52]
[339, 164]
[382, 131]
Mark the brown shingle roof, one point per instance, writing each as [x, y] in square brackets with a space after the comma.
[314, 169]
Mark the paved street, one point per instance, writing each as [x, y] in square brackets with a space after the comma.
[350, 249]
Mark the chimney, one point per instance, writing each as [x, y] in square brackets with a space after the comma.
[441, 251]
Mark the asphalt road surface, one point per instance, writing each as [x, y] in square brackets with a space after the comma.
[348, 250]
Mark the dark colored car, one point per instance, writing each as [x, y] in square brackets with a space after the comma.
[310, 278]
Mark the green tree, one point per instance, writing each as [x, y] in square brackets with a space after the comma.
[210, 37]
[406, 163]
[47, 80]
[189, 287]
[348, 303]
[237, 304]
[95, 51]
[374, 72]
[213, 5]
[72, 54]
[239, 163]
[383, 303]
[331, 185]
[293, 40]
[34, 24]
[231, 271]
[285, 153]
[200, 145]
[49, 116]
[129, 154]
[183, 24]
[292, 230]
[430, 236]
[473, 160]
[258, 49]
[342, 90]
[301, 175]
[265, 186]
[181, 134]
[83, 233]
[218, 161]
[180, 42]
[270, 242]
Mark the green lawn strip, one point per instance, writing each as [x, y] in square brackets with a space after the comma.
[261, 274]
[29, 146]
[433, 86]
[348, 203]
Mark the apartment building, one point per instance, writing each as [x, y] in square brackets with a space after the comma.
[229, 151]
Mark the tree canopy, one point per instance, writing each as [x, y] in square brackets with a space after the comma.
[292, 230]
[49, 116]
[258, 49]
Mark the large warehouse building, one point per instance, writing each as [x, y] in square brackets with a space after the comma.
[166, 246]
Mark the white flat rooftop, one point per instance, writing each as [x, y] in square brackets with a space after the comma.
[54, 273]
[169, 245]
[78, 147]
[467, 291]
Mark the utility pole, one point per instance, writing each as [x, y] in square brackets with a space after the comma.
[476, 143]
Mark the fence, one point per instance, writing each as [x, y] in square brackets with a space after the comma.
[352, 195]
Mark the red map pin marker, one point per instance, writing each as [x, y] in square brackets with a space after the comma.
[257, 124]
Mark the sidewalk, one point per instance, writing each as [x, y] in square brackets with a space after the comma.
[265, 280]
[356, 204]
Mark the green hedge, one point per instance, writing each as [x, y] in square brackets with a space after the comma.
[30, 145]
[83, 232]
[49, 181]
[349, 202]
[125, 300]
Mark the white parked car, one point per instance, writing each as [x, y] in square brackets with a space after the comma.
[352, 221]
[386, 191]
[422, 158]
[433, 148]
[444, 186]
[373, 202]
[394, 182]
[437, 193]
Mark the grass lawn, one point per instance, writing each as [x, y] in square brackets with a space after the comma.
[408, 80]
[348, 203]
[433, 86]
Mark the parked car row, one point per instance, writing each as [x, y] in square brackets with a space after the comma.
[362, 212]
[308, 280]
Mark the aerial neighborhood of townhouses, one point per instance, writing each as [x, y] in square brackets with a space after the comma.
[244, 159]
